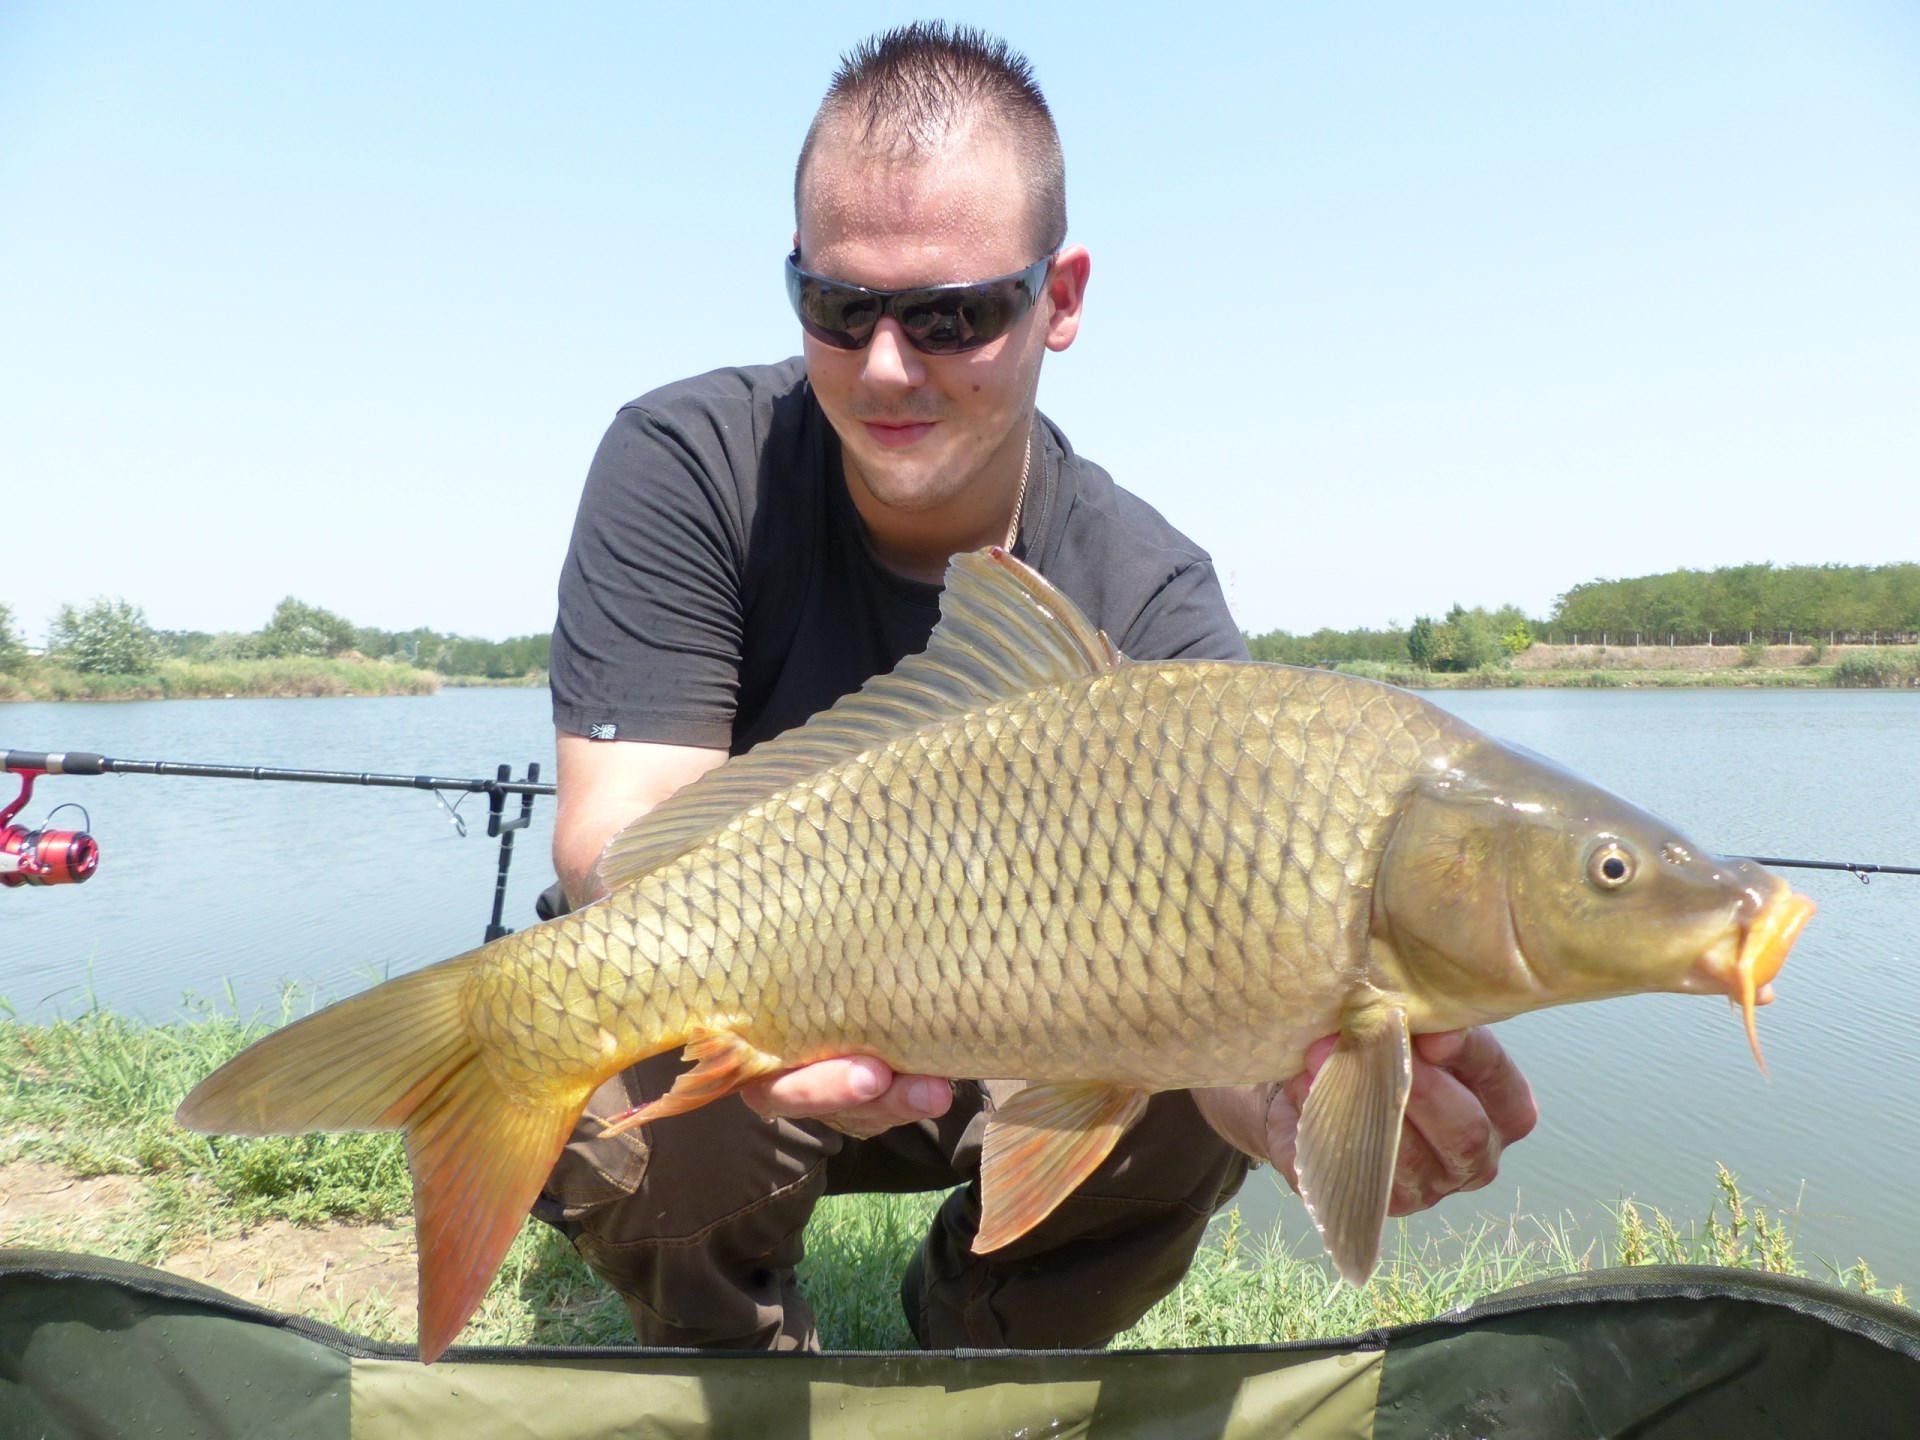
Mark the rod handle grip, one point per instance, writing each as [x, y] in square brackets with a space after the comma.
[54, 762]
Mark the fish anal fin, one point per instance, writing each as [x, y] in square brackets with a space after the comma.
[1040, 1146]
[723, 1061]
[1349, 1138]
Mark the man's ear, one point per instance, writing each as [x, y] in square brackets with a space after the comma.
[1067, 292]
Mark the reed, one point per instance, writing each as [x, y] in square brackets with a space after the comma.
[222, 679]
[1879, 669]
[1499, 678]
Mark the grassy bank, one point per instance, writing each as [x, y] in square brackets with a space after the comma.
[199, 680]
[280, 679]
[1890, 671]
[535, 681]
[95, 1096]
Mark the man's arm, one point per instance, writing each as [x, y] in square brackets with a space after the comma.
[603, 787]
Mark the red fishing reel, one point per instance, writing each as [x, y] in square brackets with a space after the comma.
[43, 856]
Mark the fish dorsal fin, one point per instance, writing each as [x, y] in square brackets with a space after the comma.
[1003, 631]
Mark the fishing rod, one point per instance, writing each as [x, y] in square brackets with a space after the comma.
[1864, 873]
[69, 857]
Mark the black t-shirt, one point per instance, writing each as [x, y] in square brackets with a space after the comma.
[720, 589]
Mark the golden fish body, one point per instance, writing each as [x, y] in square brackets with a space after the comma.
[1019, 856]
[1157, 876]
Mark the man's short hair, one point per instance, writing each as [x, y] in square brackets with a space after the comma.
[905, 92]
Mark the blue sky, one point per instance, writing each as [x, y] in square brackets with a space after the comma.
[1392, 305]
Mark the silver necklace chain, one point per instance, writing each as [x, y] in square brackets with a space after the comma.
[1020, 495]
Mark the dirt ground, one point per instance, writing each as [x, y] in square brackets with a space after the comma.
[310, 1270]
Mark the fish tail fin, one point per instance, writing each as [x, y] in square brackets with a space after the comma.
[402, 1057]
[478, 1160]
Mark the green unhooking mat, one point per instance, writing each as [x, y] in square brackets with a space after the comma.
[92, 1347]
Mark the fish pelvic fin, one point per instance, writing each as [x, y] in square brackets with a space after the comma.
[1040, 1146]
[402, 1057]
[723, 1061]
[1349, 1138]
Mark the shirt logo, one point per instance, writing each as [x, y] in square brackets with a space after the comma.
[602, 731]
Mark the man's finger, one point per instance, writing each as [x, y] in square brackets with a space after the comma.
[1283, 1128]
[819, 1089]
[856, 1094]
[1419, 1178]
[1468, 1101]
[1460, 1146]
[1481, 1063]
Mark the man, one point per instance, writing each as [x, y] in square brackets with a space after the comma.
[753, 544]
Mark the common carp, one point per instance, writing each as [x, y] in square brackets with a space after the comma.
[1020, 855]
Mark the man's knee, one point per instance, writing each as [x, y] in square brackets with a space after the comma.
[695, 1222]
[1093, 1267]
[731, 1285]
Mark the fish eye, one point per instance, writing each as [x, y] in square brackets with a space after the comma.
[1611, 865]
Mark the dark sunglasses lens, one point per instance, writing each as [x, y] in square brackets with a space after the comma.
[836, 315]
[948, 322]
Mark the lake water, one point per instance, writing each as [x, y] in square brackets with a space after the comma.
[211, 886]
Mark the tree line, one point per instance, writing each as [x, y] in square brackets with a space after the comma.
[1839, 602]
[110, 636]
[1727, 606]
[1463, 640]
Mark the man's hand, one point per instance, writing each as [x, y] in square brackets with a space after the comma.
[857, 1095]
[1469, 1102]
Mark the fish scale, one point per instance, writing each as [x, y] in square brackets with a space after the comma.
[1010, 894]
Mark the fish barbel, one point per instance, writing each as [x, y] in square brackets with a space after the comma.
[1021, 856]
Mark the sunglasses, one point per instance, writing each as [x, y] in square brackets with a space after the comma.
[936, 319]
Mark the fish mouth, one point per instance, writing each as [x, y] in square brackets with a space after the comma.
[1763, 947]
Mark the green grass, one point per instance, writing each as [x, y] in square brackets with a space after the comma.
[1731, 678]
[1500, 677]
[95, 1095]
[1879, 669]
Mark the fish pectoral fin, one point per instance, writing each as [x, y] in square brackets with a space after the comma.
[1039, 1146]
[1350, 1138]
[723, 1061]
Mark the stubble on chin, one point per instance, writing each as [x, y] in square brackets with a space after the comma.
[907, 489]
